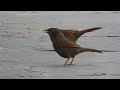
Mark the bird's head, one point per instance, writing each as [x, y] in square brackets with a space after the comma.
[53, 32]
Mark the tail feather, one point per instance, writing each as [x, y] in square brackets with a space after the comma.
[91, 50]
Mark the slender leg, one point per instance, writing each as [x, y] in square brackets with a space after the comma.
[66, 62]
[72, 61]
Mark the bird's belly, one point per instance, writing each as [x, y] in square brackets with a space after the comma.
[63, 53]
[67, 52]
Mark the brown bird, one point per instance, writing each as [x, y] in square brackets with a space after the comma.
[64, 47]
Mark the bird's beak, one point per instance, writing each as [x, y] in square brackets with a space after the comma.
[45, 31]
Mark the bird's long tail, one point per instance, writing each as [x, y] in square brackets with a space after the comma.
[91, 50]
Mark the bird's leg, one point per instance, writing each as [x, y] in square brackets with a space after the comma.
[71, 61]
[66, 62]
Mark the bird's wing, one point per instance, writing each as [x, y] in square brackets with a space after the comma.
[88, 30]
[68, 32]
[71, 44]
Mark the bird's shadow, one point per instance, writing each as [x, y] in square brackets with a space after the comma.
[39, 49]
[61, 66]
[47, 50]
